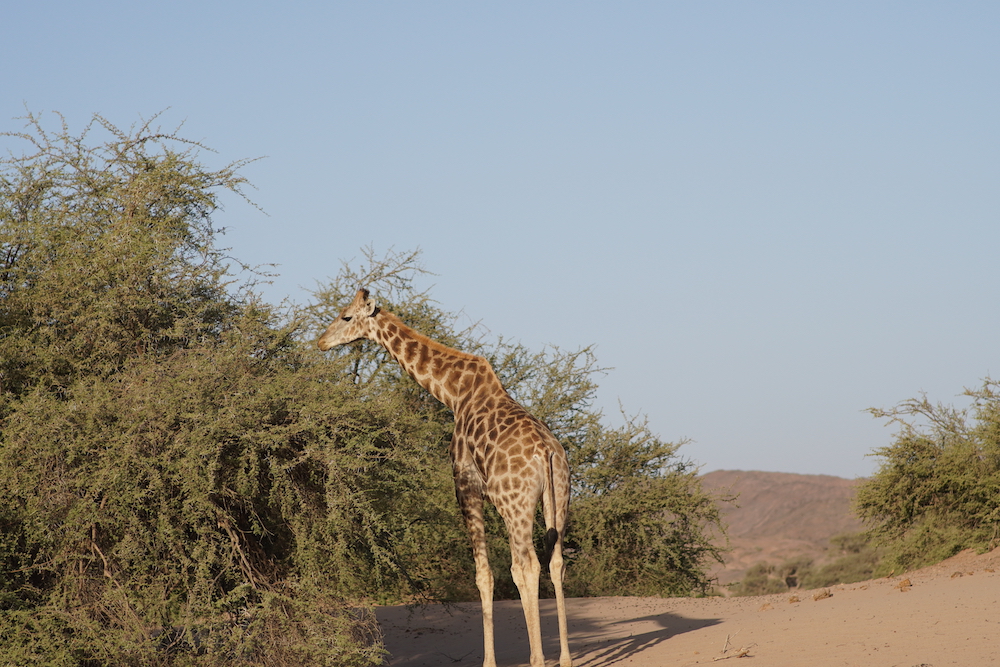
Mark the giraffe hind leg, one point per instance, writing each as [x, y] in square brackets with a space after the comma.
[555, 514]
[470, 499]
[557, 572]
[526, 569]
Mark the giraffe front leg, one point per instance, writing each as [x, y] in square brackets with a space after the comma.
[484, 582]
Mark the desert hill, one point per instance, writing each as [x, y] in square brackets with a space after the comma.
[780, 516]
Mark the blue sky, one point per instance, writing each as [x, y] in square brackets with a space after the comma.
[766, 216]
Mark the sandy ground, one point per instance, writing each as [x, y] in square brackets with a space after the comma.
[947, 614]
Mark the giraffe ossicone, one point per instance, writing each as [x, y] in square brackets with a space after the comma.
[499, 453]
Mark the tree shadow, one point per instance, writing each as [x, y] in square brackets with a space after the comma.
[434, 635]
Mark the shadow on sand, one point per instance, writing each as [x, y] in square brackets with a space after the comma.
[440, 635]
[611, 650]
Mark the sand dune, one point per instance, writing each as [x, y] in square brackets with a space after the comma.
[947, 614]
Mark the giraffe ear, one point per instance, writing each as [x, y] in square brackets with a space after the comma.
[369, 308]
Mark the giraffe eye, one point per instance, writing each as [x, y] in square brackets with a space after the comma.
[347, 318]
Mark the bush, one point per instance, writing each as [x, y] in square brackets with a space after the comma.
[760, 579]
[638, 517]
[859, 561]
[937, 490]
[170, 462]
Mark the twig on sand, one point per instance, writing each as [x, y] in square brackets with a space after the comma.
[741, 653]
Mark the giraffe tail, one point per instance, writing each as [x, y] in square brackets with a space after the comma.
[549, 510]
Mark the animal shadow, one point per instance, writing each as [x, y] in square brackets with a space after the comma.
[440, 635]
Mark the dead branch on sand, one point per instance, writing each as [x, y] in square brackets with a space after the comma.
[742, 652]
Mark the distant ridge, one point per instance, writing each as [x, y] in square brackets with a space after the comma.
[781, 516]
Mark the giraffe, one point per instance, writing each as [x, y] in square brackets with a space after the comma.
[499, 452]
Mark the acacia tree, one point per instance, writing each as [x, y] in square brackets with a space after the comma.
[937, 489]
[181, 483]
[107, 252]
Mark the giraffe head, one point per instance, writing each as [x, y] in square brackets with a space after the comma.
[353, 323]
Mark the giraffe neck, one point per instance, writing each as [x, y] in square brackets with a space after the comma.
[451, 376]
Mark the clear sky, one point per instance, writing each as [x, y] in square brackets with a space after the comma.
[766, 216]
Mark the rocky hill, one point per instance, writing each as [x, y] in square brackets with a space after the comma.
[780, 516]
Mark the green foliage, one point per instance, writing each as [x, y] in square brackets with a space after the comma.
[639, 516]
[859, 560]
[937, 490]
[186, 480]
[177, 487]
[106, 252]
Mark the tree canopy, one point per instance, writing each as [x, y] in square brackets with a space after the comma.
[186, 480]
